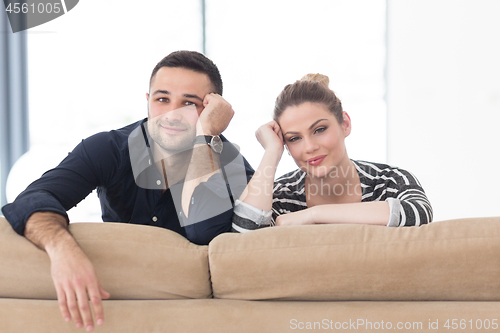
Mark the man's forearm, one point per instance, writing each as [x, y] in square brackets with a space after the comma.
[74, 277]
[47, 229]
[203, 165]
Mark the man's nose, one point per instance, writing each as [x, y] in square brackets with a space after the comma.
[173, 112]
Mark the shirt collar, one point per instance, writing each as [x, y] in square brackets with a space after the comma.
[141, 158]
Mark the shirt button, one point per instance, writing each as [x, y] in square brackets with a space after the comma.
[158, 182]
[154, 219]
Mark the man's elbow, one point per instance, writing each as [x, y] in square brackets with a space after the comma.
[203, 232]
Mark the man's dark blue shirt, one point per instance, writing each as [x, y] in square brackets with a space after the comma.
[103, 161]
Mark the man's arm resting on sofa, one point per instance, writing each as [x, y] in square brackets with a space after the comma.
[73, 274]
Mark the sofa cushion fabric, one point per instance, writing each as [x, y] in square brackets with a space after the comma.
[221, 316]
[131, 261]
[456, 260]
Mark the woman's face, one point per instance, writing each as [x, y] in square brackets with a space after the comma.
[315, 139]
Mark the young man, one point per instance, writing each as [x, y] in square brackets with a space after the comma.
[171, 170]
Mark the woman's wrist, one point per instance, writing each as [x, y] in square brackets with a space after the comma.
[274, 148]
[273, 154]
[312, 216]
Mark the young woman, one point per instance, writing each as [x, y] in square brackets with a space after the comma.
[327, 187]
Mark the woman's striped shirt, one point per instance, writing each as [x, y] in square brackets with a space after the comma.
[408, 203]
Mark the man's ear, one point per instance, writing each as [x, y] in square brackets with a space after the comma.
[346, 124]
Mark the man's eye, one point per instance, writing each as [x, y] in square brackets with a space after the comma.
[320, 129]
[189, 103]
[162, 99]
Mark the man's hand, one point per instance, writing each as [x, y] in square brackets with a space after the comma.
[73, 274]
[215, 117]
[76, 283]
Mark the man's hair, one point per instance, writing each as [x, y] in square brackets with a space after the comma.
[194, 61]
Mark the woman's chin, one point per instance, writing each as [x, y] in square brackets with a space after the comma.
[316, 172]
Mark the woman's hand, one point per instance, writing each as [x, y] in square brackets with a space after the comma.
[270, 137]
[300, 217]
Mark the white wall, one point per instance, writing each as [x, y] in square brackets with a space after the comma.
[444, 101]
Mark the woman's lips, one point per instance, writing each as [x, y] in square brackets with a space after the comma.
[316, 160]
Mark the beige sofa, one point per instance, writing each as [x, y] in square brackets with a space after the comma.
[442, 277]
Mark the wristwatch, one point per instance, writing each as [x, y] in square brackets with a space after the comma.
[214, 141]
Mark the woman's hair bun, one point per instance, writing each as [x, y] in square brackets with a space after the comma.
[312, 88]
[320, 78]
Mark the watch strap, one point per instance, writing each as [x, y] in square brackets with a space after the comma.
[214, 141]
[203, 139]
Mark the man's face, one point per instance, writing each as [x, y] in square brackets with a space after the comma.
[175, 102]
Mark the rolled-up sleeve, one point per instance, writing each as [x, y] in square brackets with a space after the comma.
[247, 218]
[408, 203]
[63, 187]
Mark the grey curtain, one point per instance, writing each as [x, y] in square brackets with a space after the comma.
[14, 137]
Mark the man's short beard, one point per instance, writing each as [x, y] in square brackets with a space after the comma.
[170, 146]
[174, 148]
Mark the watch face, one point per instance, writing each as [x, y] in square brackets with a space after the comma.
[216, 144]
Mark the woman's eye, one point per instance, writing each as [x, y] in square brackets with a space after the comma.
[320, 129]
[293, 139]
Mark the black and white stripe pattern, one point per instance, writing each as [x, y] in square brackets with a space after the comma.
[379, 182]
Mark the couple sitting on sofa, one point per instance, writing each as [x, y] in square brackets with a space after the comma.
[175, 170]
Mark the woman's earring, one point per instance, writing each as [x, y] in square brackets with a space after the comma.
[287, 150]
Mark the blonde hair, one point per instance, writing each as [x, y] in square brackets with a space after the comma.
[320, 78]
[310, 88]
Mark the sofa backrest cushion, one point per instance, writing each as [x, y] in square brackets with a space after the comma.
[456, 260]
[131, 261]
